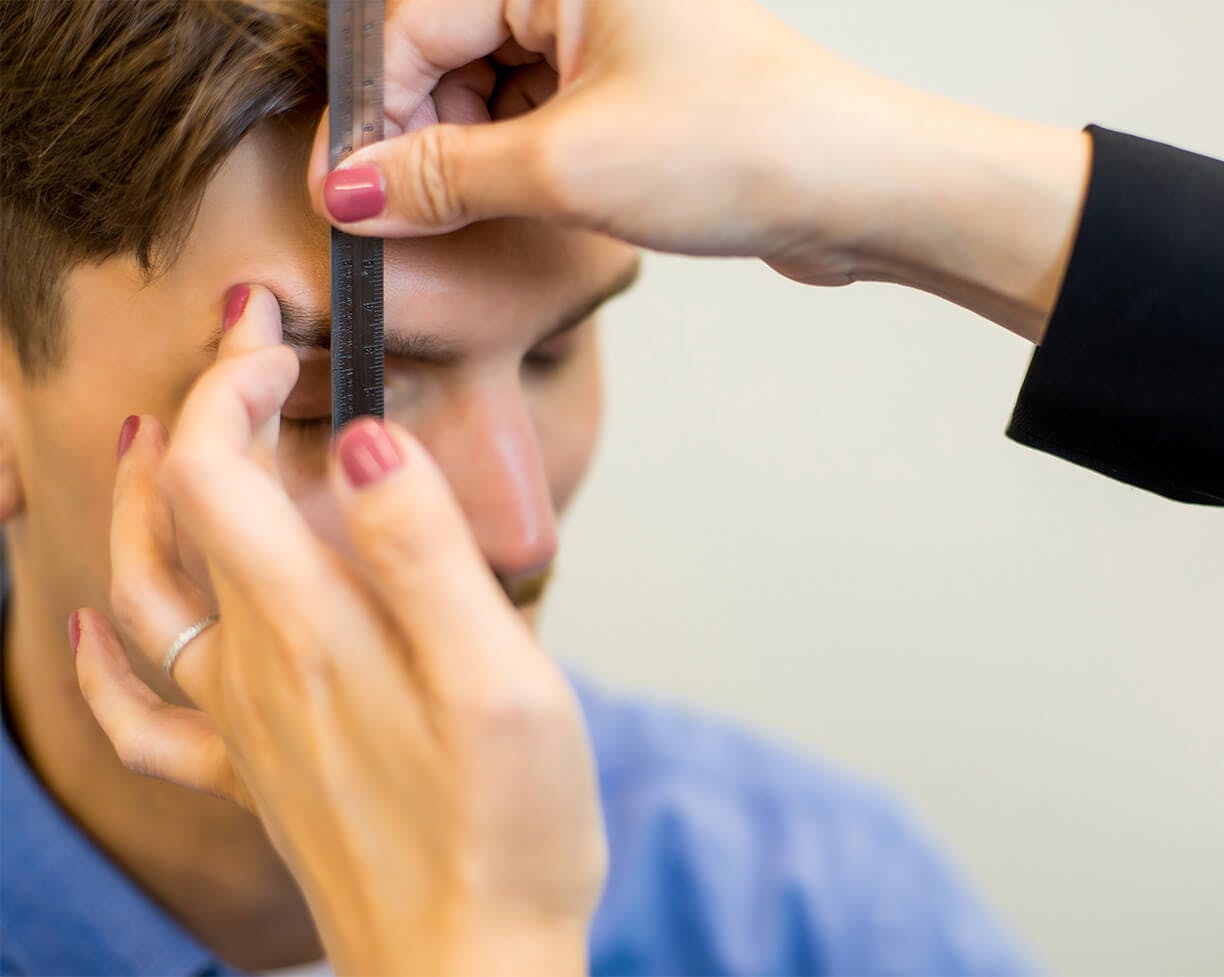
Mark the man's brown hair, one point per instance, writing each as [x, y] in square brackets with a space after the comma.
[114, 114]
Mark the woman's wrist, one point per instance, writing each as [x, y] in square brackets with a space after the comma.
[985, 212]
[886, 183]
[485, 947]
[442, 931]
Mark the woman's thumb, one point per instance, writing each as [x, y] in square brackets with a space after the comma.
[441, 178]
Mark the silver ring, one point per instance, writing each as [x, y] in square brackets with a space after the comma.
[186, 636]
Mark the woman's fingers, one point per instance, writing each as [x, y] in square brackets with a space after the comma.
[462, 96]
[253, 322]
[448, 175]
[152, 596]
[424, 39]
[420, 558]
[150, 736]
[227, 500]
[519, 90]
[512, 55]
[604, 120]
[436, 178]
[504, 711]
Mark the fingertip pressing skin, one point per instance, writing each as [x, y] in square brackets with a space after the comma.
[235, 303]
[355, 193]
[127, 434]
[140, 432]
[251, 319]
[367, 454]
[399, 509]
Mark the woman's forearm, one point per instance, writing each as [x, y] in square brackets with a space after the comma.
[986, 213]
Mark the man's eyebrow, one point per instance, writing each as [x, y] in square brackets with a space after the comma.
[306, 329]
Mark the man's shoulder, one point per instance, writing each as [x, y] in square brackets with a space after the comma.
[733, 853]
[643, 743]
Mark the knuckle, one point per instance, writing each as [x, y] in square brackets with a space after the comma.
[129, 743]
[126, 603]
[321, 678]
[429, 176]
[301, 652]
[524, 714]
[532, 24]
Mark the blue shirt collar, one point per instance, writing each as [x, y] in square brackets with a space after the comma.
[65, 908]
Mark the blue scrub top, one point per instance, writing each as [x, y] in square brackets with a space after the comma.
[729, 855]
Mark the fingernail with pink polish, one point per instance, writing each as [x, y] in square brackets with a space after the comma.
[354, 193]
[74, 630]
[235, 304]
[367, 453]
[127, 434]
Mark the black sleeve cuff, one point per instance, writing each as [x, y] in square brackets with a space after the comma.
[1130, 378]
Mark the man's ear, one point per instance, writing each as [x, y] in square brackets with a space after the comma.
[12, 495]
[12, 499]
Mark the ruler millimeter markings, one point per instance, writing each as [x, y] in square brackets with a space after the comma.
[355, 104]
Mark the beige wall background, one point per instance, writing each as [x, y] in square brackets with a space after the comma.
[805, 516]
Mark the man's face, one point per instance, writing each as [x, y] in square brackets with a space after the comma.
[492, 361]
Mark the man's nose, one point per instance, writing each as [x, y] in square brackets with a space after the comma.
[486, 444]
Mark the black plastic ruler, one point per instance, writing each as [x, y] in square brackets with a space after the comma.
[355, 103]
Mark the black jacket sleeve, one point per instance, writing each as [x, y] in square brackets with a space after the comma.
[1130, 378]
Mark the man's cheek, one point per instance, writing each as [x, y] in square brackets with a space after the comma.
[68, 459]
[570, 436]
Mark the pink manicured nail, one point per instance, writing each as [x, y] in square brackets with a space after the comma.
[74, 630]
[355, 193]
[367, 453]
[127, 434]
[235, 303]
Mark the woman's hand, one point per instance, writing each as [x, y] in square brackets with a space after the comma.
[708, 127]
[680, 125]
[417, 760]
